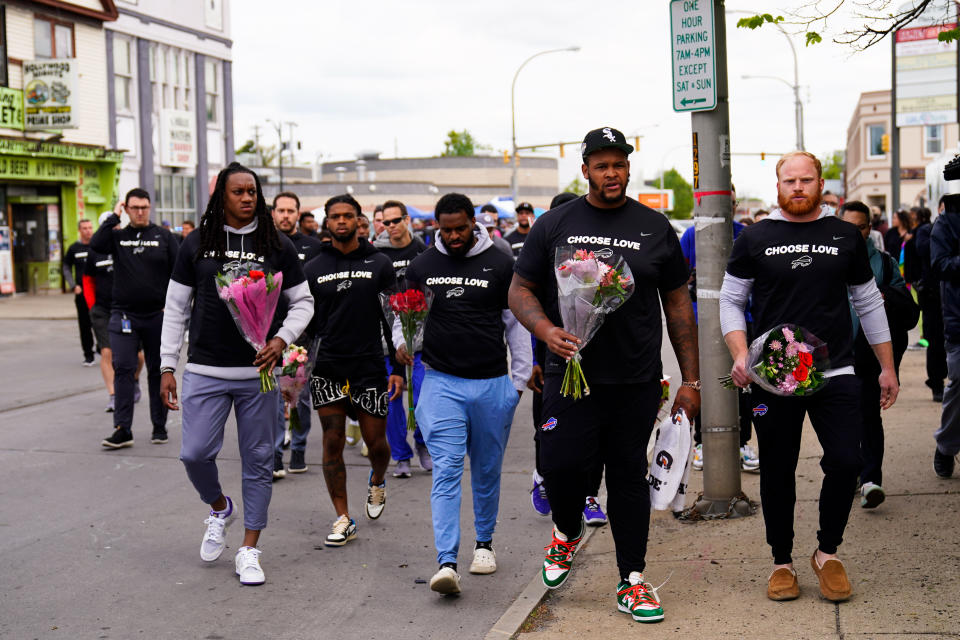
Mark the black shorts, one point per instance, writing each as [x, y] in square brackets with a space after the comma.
[99, 319]
[363, 382]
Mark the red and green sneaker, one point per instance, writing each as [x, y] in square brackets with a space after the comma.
[560, 552]
[639, 599]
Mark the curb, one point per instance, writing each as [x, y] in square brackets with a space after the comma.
[513, 618]
[34, 401]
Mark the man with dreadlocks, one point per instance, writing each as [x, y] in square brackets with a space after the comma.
[222, 369]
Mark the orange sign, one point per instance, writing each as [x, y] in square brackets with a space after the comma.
[655, 199]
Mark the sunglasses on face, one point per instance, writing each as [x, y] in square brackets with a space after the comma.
[391, 222]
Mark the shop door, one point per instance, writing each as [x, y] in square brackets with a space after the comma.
[29, 244]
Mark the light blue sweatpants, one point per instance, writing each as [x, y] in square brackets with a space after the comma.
[465, 417]
[205, 403]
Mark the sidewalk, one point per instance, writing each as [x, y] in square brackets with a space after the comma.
[38, 307]
[903, 558]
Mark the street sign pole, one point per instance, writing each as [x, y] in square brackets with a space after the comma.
[700, 85]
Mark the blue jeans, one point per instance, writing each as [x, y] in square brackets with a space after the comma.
[397, 416]
[465, 417]
[206, 403]
[298, 439]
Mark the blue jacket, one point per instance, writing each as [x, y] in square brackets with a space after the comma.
[945, 264]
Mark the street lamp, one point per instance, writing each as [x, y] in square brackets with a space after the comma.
[798, 106]
[513, 117]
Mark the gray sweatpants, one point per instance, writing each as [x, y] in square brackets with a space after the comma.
[206, 403]
[948, 435]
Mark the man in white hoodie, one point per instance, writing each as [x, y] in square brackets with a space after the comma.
[469, 395]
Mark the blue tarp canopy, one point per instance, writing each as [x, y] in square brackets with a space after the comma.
[413, 212]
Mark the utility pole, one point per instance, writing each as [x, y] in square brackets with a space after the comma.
[290, 126]
[698, 34]
[279, 127]
[256, 144]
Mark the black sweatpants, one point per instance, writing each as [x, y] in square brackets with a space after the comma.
[86, 327]
[932, 309]
[144, 333]
[835, 415]
[610, 427]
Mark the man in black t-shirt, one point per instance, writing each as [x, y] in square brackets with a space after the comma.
[286, 211]
[73, 266]
[802, 266]
[397, 243]
[611, 425]
[143, 259]
[349, 377]
[469, 398]
[516, 237]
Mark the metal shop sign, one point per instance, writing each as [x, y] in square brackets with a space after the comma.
[57, 150]
[49, 94]
[178, 138]
[11, 108]
[38, 169]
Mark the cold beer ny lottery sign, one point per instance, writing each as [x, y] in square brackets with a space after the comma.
[694, 61]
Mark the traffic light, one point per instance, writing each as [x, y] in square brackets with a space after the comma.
[561, 151]
[506, 157]
[763, 156]
[885, 142]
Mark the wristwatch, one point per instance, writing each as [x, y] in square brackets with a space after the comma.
[693, 384]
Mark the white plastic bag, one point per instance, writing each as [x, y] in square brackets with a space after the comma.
[669, 470]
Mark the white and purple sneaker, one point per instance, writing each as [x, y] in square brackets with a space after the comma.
[538, 497]
[248, 566]
[214, 542]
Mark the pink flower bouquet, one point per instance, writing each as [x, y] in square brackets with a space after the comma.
[787, 360]
[251, 295]
[590, 285]
[295, 366]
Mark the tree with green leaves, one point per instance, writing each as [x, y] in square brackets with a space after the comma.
[265, 154]
[461, 143]
[682, 193]
[876, 19]
[834, 165]
[576, 186]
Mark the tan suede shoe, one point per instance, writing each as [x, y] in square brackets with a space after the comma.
[782, 585]
[834, 584]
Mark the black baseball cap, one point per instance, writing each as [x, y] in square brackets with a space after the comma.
[525, 205]
[604, 138]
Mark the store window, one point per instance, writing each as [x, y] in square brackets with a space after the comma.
[52, 38]
[875, 133]
[123, 72]
[4, 79]
[175, 199]
[933, 140]
[171, 76]
[212, 79]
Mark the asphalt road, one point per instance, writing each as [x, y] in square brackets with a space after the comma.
[105, 544]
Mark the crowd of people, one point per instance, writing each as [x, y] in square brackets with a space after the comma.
[494, 331]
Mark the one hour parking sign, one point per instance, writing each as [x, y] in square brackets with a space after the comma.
[694, 55]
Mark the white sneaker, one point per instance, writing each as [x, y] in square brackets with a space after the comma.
[214, 541]
[871, 495]
[353, 432]
[376, 498]
[698, 457]
[749, 460]
[248, 566]
[445, 581]
[484, 561]
[344, 530]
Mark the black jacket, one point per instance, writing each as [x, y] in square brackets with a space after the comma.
[945, 265]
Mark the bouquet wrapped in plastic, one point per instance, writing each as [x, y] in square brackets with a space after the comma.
[589, 287]
[408, 305]
[295, 366]
[251, 295]
[787, 360]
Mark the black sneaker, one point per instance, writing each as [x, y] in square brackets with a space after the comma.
[942, 464]
[938, 395]
[278, 470]
[297, 462]
[88, 362]
[119, 439]
[159, 436]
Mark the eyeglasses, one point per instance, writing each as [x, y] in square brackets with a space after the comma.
[391, 221]
[143, 208]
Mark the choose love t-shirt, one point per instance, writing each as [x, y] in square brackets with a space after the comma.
[214, 338]
[464, 332]
[516, 240]
[348, 316]
[800, 273]
[626, 348]
[403, 256]
[100, 267]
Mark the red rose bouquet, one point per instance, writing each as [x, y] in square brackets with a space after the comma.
[408, 306]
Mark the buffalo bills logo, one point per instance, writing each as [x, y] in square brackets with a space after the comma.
[760, 410]
[549, 425]
[346, 284]
[456, 292]
[664, 460]
[604, 253]
[802, 261]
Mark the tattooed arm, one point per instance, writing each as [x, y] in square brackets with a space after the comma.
[528, 310]
[682, 329]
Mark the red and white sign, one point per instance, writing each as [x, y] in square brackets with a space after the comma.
[926, 76]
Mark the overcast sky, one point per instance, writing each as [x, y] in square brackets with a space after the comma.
[398, 75]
